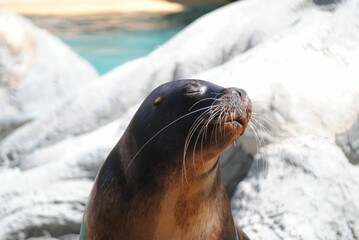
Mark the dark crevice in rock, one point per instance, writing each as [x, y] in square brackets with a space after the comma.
[54, 230]
[327, 5]
[326, 2]
[235, 168]
[354, 229]
[301, 167]
[348, 141]
[10, 124]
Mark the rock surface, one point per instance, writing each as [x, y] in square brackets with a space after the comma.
[298, 60]
[189, 56]
[349, 142]
[309, 191]
[34, 72]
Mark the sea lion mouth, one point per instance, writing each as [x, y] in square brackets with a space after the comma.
[238, 121]
[231, 119]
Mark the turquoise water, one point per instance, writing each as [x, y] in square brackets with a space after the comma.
[111, 40]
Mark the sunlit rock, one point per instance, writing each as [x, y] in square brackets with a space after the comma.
[349, 142]
[37, 72]
[298, 61]
[235, 30]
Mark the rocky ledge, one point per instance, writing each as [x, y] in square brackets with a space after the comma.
[37, 71]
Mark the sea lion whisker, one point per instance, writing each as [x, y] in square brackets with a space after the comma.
[188, 140]
[195, 144]
[261, 126]
[256, 136]
[204, 127]
[222, 118]
[196, 122]
[262, 118]
[232, 115]
[240, 108]
[200, 133]
[161, 130]
[194, 151]
[214, 114]
[217, 96]
[202, 118]
[189, 136]
[202, 141]
[228, 115]
[202, 100]
[260, 142]
[194, 126]
[210, 110]
[258, 120]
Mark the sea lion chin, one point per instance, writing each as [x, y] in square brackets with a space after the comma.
[162, 180]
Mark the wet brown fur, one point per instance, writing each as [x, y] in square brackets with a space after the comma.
[143, 195]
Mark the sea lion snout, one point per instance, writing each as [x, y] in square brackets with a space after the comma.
[236, 101]
[236, 108]
[235, 91]
[237, 96]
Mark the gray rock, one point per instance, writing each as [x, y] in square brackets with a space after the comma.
[182, 57]
[298, 61]
[49, 200]
[235, 164]
[349, 142]
[309, 191]
[37, 71]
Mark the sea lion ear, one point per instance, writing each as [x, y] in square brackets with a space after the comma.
[157, 101]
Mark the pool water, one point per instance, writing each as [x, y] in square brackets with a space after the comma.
[108, 41]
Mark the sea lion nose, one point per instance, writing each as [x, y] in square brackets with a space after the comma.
[236, 92]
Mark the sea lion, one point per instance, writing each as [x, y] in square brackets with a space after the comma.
[162, 180]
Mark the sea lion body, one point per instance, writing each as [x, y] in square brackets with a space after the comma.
[162, 179]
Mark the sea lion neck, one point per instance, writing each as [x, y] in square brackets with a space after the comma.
[195, 209]
[201, 183]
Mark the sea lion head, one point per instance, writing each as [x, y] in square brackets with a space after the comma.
[187, 122]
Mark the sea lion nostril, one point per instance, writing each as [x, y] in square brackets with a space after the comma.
[242, 93]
